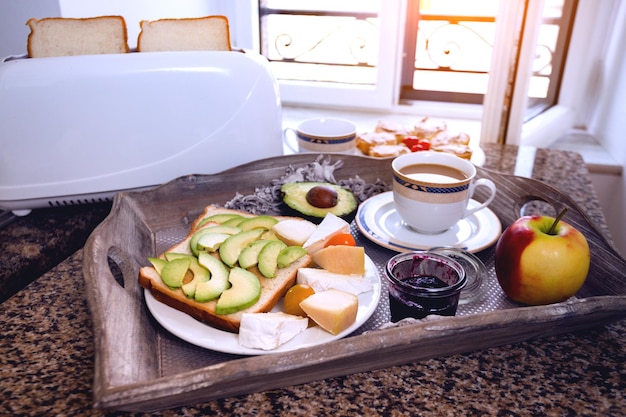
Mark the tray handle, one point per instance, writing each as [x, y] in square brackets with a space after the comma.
[115, 300]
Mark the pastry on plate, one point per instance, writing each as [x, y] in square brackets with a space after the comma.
[365, 141]
[427, 128]
[387, 151]
[447, 138]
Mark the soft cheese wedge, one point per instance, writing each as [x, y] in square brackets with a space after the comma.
[294, 232]
[333, 310]
[341, 259]
[268, 331]
[328, 227]
[322, 280]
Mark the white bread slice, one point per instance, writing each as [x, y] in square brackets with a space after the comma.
[272, 289]
[213, 210]
[210, 33]
[57, 36]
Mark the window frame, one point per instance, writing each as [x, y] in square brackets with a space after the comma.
[370, 97]
[578, 98]
[385, 97]
[407, 92]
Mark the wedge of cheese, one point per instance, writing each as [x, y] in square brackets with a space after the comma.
[333, 310]
[328, 227]
[268, 331]
[322, 280]
[341, 259]
[294, 232]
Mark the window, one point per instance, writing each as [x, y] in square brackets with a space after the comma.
[447, 56]
[329, 52]
[326, 52]
[321, 43]
[551, 51]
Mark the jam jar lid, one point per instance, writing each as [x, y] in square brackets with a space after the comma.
[475, 272]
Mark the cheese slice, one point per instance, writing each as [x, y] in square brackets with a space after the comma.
[341, 259]
[322, 280]
[333, 310]
[294, 232]
[268, 331]
[328, 227]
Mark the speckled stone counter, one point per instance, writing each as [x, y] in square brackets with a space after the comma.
[47, 346]
[32, 244]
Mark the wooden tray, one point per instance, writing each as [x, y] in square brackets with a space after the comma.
[141, 367]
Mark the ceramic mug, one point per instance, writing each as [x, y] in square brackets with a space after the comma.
[322, 135]
[432, 190]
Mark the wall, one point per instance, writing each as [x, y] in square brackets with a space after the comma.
[13, 17]
[609, 125]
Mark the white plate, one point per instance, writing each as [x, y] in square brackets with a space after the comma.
[200, 334]
[379, 221]
[290, 145]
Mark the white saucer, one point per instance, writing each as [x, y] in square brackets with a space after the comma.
[379, 221]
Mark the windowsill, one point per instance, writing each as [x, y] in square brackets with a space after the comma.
[366, 120]
[598, 159]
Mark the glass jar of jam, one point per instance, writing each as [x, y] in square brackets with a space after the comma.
[423, 283]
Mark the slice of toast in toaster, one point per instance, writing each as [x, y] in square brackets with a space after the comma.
[210, 33]
[58, 36]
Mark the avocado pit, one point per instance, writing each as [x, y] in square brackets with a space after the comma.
[313, 200]
[322, 196]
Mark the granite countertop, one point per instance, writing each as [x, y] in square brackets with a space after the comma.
[47, 346]
[33, 244]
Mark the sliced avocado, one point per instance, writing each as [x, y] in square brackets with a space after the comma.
[234, 221]
[174, 272]
[158, 264]
[170, 256]
[200, 274]
[313, 200]
[217, 218]
[193, 242]
[213, 288]
[269, 235]
[232, 247]
[268, 258]
[244, 292]
[289, 255]
[210, 242]
[249, 256]
[264, 222]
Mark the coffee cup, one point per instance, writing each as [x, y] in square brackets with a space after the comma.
[322, 135]
[432, 190]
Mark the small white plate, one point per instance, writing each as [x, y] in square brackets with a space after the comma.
[379, 221]
[200, 334]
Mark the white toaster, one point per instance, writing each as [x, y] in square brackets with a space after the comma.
[79, 129]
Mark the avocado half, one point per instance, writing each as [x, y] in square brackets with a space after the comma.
[334, 199]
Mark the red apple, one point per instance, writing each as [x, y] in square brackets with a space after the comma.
[541, 260]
